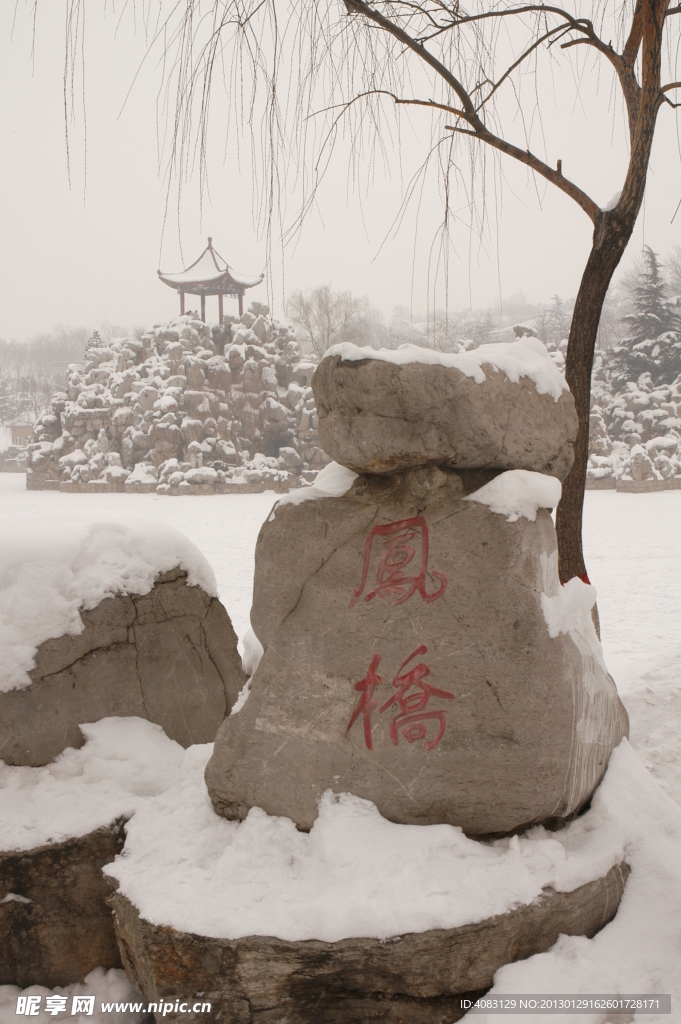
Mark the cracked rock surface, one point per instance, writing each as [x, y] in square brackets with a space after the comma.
[169, 656]
[381, 417]
[407, 661]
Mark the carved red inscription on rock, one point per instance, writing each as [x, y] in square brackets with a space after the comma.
[397, 544]
[412, 720]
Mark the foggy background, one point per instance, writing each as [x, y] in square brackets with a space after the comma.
[85, 249]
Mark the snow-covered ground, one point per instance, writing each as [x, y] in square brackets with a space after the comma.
[633, 554]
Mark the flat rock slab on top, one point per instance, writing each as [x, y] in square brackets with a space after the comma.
[169, 656]
[408, 661]
[418, 978]
[377, 416]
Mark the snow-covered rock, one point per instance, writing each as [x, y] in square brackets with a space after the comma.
[108, 619]
[59, 825]
[634, 433]
[501, 406]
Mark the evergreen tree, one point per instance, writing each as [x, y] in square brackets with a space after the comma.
[558, 318]
[654, 341]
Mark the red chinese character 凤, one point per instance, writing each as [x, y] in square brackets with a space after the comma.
[411, 698]
[391, 579]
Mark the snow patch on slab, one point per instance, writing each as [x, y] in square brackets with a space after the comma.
[526, 357]
[355, 873]
[331, 482]
[518, 492]
[50, 568]
[123, 762]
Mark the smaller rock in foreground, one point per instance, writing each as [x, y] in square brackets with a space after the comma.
[55, 925]
[169, 656]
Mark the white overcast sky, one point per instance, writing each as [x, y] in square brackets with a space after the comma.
[73, 256]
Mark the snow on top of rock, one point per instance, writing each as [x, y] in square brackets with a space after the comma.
[526, 357]
[186, 867]
[123, 761]
[331, 482]
[519, 492]
[50, 568]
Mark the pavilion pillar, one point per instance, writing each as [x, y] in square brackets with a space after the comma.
[181, 303]
[203, 307]
[241, 303]
[220, 308]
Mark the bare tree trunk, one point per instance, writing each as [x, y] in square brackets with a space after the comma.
[609, 244]
[612, 231]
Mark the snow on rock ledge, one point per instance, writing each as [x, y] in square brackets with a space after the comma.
[53, 567]
[526, 357]
[497, 407]
[184, 866]
[519, 493]
[332, 482]
[59, 826]
[124, 761]
[569, 611]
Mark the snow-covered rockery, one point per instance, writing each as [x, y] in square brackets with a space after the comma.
[634, 432]
[184, 409]
[419, 651]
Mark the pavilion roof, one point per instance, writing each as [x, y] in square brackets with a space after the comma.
[210, 273]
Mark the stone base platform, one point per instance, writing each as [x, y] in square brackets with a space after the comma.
[609, 483]
[644, 486]
[55, 925]
[606, 483]
[417, 978]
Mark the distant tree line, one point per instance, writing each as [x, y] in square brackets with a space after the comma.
[640, 326]
[31, 371]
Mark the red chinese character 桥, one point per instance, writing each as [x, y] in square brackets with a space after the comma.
[366, 703]
[411, 698]
[397, 554]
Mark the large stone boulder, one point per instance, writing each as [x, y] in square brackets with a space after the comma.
[417, 978]
[169, 656]
[500, 406]
[409, 660]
